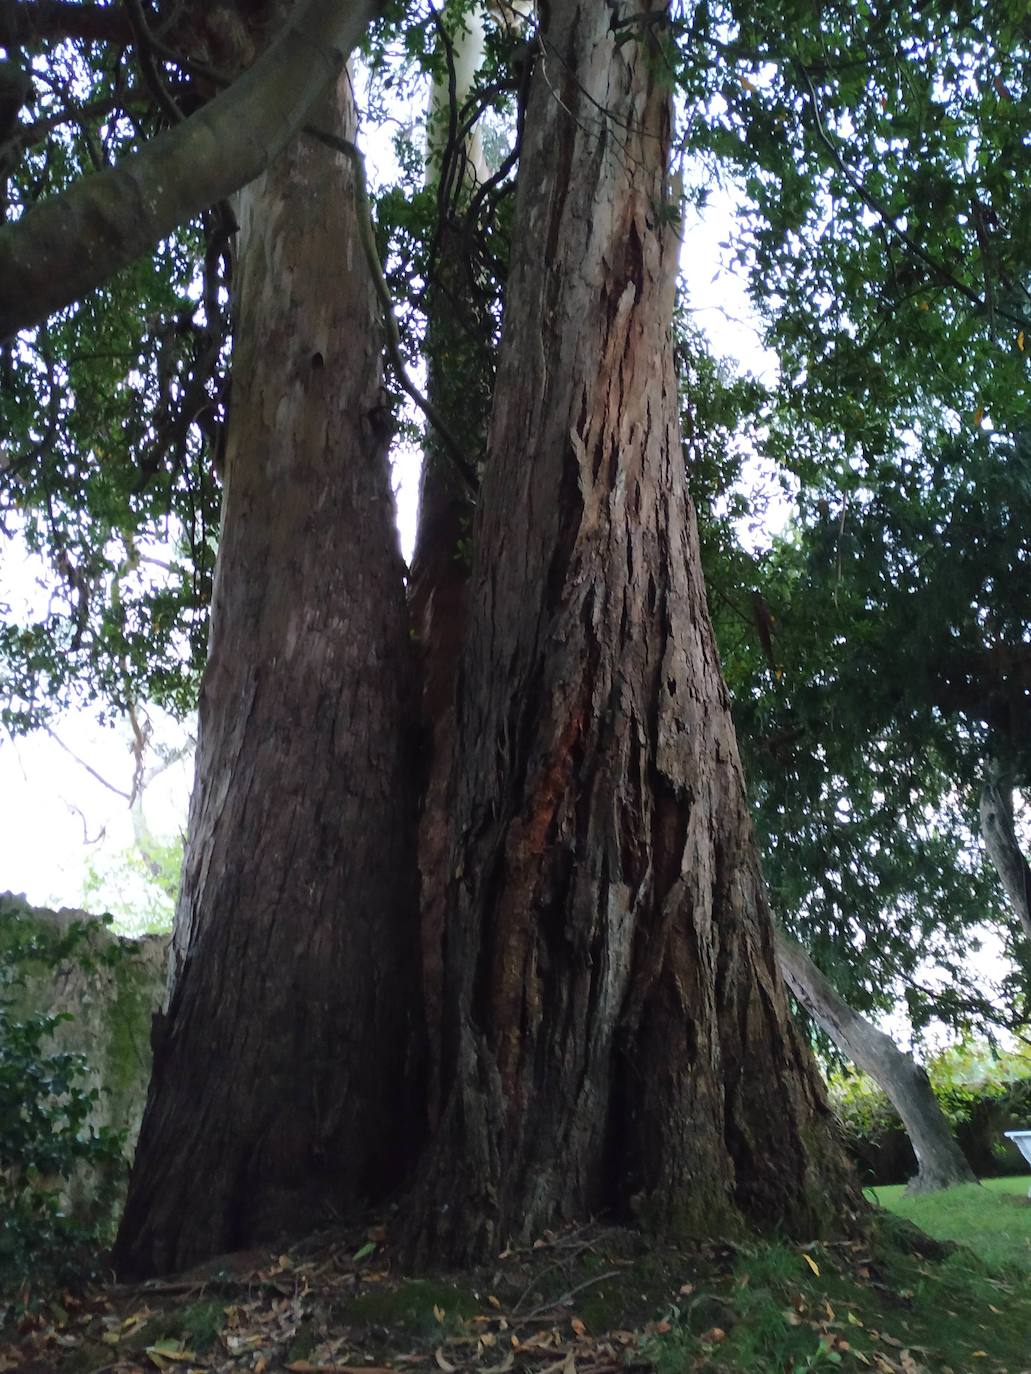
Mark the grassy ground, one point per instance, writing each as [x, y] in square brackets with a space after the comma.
[993, 1218]
[588, 1301]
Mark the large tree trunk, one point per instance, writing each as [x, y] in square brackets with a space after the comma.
[281, 1085]
[1000, 840]
[940, 1161]
[616, 1034]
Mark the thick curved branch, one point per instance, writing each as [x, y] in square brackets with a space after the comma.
[71, 243]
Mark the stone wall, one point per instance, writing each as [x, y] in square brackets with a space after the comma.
[109, 986]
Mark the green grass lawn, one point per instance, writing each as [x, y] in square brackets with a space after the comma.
[993, 1218]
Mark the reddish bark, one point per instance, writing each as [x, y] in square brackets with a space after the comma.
[615, 1034]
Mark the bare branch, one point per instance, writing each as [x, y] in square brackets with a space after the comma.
[83, 764]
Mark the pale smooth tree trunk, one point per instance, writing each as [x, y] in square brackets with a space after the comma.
[940, 1161]
[284, 1090]
[616, 1035]
[1000, 840]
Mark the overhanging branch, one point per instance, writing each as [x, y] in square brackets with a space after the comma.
[71, 243]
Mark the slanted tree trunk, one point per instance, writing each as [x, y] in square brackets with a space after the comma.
[282, 1084]
[616, 1034]
[1000, 840]
[940, 1161]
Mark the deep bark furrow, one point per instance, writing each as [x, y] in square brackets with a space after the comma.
[631, 1048]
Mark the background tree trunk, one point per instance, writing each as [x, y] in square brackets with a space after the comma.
[458, 382]
[281, 1084]
[1000, 840]
[616, 1034]
[940, 1161]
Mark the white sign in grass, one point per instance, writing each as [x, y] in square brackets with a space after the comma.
[1022, 1140]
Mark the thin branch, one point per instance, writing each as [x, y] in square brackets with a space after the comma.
[83, 764]
[566, 1298]
[28, 134]
[22, 21]
[143, 42]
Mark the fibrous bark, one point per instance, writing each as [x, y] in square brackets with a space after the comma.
[283, 1083]
[616, 1034]
[940, 1161]
[70, 243]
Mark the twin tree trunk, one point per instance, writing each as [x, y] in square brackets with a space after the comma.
[283, 1071]
[615, 1034]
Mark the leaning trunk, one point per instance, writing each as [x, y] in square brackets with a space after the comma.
[280, 1093]
[1000, 840]
[616, 1035]
[940, 1161]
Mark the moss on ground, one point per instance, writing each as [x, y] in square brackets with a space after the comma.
[599, 1300]
[413, 1307]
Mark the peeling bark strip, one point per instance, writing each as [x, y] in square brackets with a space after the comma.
[616, 1035]
[71, 243]
[281, 1084]
[940, 1161]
